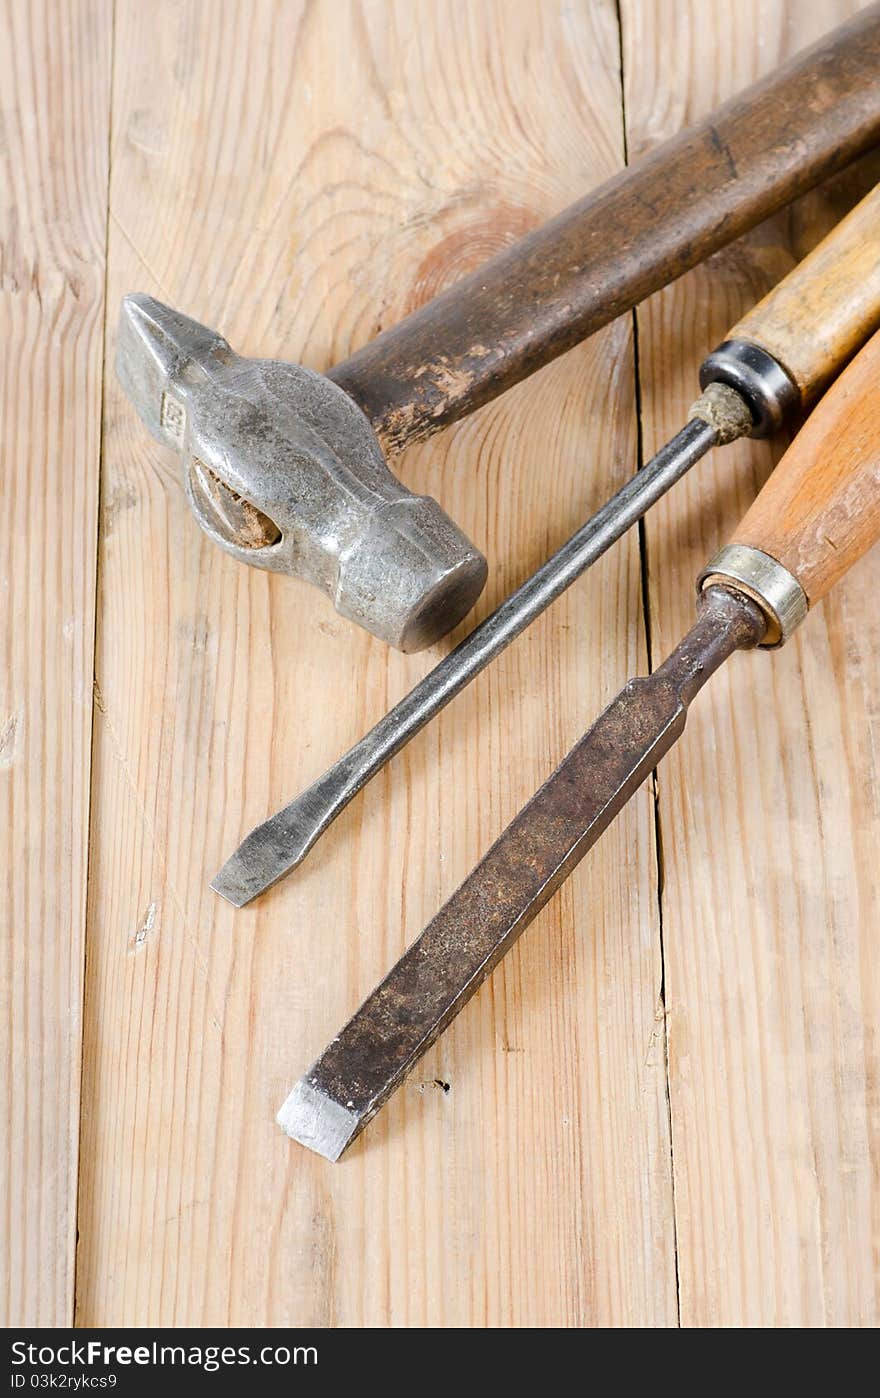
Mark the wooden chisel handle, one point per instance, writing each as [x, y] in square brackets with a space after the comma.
[816, 318]
[820, 509]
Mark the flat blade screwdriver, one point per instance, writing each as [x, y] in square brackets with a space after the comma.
[774, 364]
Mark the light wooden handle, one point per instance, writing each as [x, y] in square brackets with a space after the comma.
[816, 318]
[820, 509]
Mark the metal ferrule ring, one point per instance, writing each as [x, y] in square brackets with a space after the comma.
[759, 378]
[769, 583]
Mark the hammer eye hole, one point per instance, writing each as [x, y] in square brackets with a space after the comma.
[237, 521]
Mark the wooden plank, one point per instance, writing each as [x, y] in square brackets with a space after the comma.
[54, 125]
[769, 808]
[301, 175]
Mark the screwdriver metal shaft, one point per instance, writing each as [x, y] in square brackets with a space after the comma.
[278, 845]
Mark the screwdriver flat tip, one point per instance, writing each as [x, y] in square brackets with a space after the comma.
[228, 886]
[264, 856]
[282, 842]
[237, 881]
[313, 1119]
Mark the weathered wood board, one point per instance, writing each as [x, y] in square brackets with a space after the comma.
[662, 1109]
[54, 121]
[769, 807]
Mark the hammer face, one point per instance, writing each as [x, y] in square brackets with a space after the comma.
[283, 470]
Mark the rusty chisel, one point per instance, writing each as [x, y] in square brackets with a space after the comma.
[774, 363]
[818, 513]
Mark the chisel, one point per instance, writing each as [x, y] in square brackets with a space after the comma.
[818, 513]
[774, 363]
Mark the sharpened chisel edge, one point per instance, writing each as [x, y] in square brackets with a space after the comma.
[313, 1119]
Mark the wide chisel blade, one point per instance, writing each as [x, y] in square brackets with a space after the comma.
[458, 949]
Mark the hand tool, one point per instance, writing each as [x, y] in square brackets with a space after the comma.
[275, 497]
[775, 362]
[818, 513]
[282, 469]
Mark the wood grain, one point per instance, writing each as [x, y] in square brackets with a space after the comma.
[827, 306]
[820, 510]
[54, 122]
[769, 809]
[300, 176]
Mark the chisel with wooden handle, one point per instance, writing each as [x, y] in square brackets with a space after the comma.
[817, 515]
[775, 363]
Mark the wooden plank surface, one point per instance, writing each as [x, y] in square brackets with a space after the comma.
[300, 175]
[54, 115]
[769, 807]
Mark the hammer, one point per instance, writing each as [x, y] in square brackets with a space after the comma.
[286, 468]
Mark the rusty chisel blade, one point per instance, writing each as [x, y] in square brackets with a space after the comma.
[458, 949]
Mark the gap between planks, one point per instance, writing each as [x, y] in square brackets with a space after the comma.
[649, 654]
[96, 705]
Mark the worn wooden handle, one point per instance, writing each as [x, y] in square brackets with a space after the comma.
[820, 509]
[669, 210]
[816, 318]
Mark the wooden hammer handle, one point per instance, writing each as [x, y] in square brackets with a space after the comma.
[820, 509]
[816, 318]
[640, 230]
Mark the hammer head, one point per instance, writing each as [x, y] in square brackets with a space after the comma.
[283, 470]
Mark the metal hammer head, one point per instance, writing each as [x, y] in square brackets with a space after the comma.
[283, 470]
